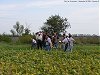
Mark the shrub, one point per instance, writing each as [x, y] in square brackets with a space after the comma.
[25, 39]
[87, 40]
[5, 38]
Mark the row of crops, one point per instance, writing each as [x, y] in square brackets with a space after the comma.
[21, 60]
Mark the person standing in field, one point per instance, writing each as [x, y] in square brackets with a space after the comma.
[43, 40]
[33, 43]
[71, 40]
[55, 40]
[62, 44]
[66, 42]
[48, 44]
[39, 40]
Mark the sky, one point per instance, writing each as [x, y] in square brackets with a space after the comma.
[83, 16]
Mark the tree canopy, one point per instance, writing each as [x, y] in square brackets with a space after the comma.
[19, 30]
[55, 24]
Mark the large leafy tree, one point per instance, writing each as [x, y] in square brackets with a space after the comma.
[55, 24]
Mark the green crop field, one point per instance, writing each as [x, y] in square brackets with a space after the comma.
[21, 60]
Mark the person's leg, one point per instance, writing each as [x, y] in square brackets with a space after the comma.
[63, 46]
[71, 47]
[41, 44]
[66, 46]
[56, 44]
[33, 45]
[37, 44]
[46, 47]
[49, 48]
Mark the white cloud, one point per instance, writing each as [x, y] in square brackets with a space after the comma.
[7, 10]
[40, 4]
[45, 4]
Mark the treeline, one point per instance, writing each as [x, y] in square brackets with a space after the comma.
[56, 23]
[26, 39]
[87, 39]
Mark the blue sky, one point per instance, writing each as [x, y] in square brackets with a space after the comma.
[83, 17]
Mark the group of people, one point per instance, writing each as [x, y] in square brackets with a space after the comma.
[45, 41]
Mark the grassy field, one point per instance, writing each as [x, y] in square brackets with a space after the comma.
[21, 60]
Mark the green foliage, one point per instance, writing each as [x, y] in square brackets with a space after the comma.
[55, 24]
[5, 38]
[25, 39]
[93, 40]
[27, 31]
[13, 32]
[16, 60]
[18, 28]
[87, 40]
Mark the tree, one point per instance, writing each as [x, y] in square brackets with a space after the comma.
[13, 32]
[27, 31]
[55, 24]
[19, 28]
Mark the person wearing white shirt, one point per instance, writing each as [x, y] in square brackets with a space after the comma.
[48, 43]
[71, 40]
[33, 43]
[66, 42]
[39, 41]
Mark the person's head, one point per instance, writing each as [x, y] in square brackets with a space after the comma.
[36, 33]
[46, 36]
[55, 33]
[39, 34]
[63, 35]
